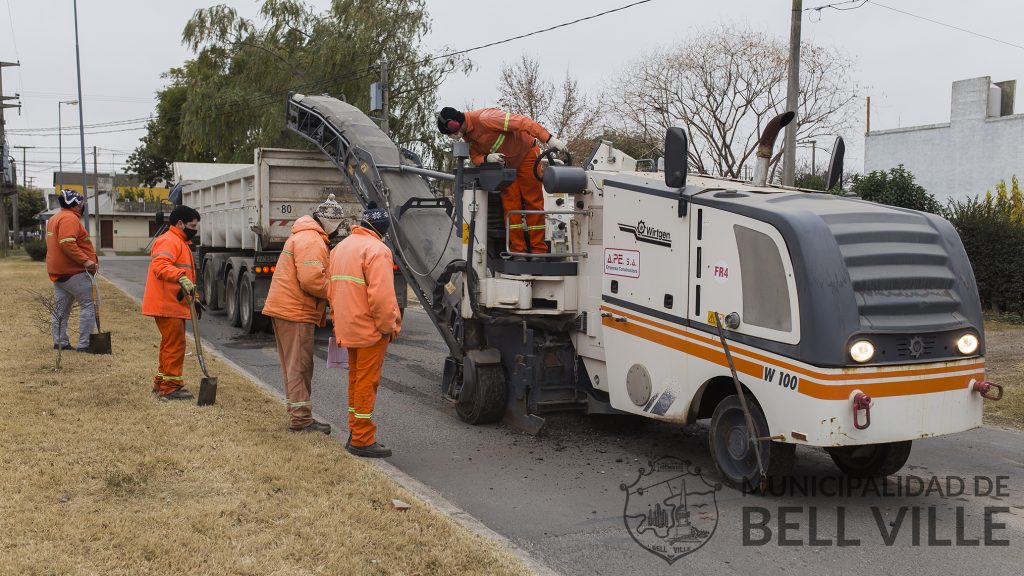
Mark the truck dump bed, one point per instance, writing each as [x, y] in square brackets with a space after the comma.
[254, 208]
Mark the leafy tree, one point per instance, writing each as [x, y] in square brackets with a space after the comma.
[30, 203]
[895, 187]
[230, 97]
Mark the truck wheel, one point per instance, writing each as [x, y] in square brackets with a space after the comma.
[231, 299]
[250, 320]
[210, 295]
[482, 398]
[871, 460]
[734, 454]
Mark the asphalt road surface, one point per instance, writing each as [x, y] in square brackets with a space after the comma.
[956, 508]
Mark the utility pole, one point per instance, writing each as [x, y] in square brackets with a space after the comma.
[24, 179]
[3, 150]
[792, 95]
[814, 150]
[96, 195]
[384, 113]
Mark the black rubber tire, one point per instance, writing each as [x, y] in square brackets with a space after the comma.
[231, 299]
[871, 460]
[210, 295]
[249, 319]
[733, 454]
[482, 399]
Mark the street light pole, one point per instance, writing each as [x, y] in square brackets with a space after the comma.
[60, 148]
[81, 129]
[814, 150]
[792, 95]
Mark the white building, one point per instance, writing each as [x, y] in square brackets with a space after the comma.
[982, 143]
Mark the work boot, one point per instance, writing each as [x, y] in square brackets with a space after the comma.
[313, 426]
[349, 441]
[375, 450]
[179, 394]
[64, 347]
[519, 259]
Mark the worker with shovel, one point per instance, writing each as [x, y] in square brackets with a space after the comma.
[297, 302]
[70, 258]
[172, 271]
[366, 318]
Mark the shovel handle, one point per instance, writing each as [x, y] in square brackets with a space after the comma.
[195, 333]
[95, 301]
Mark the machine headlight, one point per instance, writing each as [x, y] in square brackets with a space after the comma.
[862, 351]
[967, 344]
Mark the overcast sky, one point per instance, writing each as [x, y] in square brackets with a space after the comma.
[906, 64]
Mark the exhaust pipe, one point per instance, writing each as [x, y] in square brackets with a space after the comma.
[766, 144]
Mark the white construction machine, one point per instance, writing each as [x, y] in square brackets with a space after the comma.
[786, 317]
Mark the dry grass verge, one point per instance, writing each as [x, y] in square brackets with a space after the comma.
[99, 478]
[1004, 364]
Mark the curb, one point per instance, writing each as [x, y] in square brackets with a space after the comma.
[425, 493]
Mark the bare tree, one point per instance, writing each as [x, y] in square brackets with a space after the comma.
[565, 110]
[723, 86]
[48, 304]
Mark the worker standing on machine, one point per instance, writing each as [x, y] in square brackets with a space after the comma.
[509, 139]
[366, 319]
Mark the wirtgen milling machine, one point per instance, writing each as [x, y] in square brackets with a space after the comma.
[786, 317]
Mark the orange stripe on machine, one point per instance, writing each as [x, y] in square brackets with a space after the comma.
[815, 384]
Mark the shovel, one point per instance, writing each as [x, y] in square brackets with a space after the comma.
[208, 385]
[99, 342]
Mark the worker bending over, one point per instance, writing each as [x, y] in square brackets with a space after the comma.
[170, 281]
[70, 256]
[297, 302]
[366, 318]
[509, 139]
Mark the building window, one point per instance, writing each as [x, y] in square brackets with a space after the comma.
[765, 290]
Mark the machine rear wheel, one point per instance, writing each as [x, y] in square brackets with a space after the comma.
[482, 399]
[872, 460]
[734, 454]
[250, 320]
[231, 300]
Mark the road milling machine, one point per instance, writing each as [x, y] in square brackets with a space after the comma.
[786, 317]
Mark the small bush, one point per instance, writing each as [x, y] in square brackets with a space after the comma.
[992, 231]
[36, 249]
[895, 188]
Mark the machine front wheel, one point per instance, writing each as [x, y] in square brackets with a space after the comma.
[871, 460]
[482, 398]
[734, 454]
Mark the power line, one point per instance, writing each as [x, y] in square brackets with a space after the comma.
[844, 6]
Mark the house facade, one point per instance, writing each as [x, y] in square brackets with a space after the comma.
[982, 143]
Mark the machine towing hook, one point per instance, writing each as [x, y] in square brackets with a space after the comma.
[861, 401]
[985, 389]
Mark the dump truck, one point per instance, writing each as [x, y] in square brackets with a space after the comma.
[785, 317]
[246, 216]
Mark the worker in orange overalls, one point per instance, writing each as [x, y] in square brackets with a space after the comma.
[69, 257]
[509, 139]
[297, 302]
[366, 318]
[170, 281]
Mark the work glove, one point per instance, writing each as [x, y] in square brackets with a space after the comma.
[200, 308]
[557, 145]
[496, 157]
[187, 285]
[91, 266]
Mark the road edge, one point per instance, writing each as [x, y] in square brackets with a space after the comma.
[428, 495]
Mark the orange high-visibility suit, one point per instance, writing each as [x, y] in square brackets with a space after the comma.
[171, 259]
[68, 246]
[366, 317]
[297, 302]
[490, 131]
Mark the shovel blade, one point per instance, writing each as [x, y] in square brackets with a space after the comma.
[207, 392]
[99, 343]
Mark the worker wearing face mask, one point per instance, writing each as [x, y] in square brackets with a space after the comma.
[297, 302]
[509, 139]
[171, 273]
